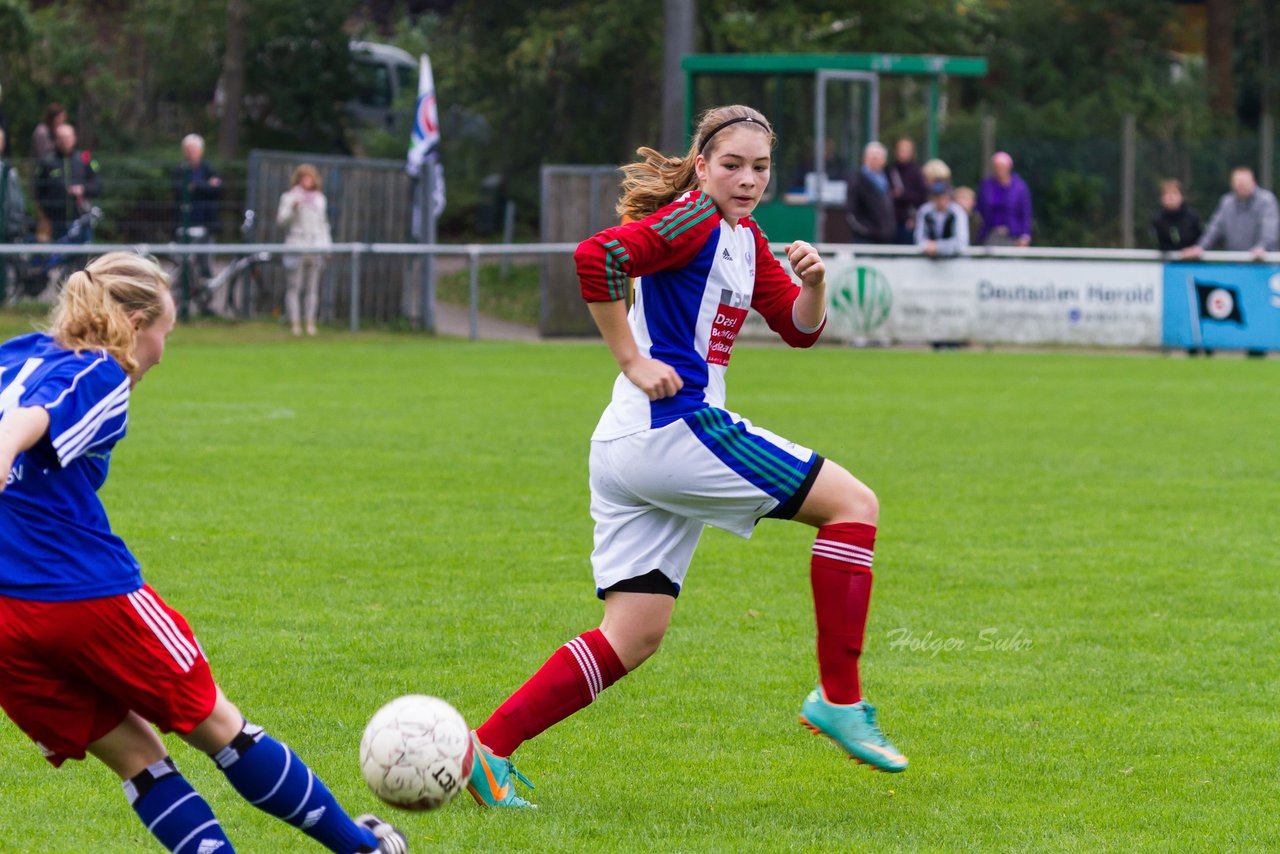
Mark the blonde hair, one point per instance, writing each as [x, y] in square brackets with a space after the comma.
[98, 306]
[936, 170]
[657, 179]
[305, 169]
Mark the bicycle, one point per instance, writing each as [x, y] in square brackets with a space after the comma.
[36, 275]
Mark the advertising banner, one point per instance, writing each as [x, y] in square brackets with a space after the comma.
[992, 300]
[1222, 306]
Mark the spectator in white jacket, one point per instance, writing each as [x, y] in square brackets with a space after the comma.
[942, 225]
[304, 214]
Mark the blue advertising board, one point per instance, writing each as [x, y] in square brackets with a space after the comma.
[1222, 306]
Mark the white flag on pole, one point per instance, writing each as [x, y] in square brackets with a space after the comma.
[424, 144]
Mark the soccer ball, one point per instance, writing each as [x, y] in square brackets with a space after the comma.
[416, 753]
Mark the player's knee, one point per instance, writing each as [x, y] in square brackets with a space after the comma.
[863, 505]
[637, 648]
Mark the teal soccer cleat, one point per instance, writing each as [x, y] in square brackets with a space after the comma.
[491, 783]
[852, 727]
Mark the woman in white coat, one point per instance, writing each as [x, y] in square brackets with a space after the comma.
[304, 214]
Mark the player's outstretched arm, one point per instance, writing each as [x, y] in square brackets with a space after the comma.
[19, 430]
[654, 378]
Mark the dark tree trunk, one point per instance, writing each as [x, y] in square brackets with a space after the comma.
[233, 79]
[1219, 50]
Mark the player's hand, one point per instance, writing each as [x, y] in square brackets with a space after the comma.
[656, 379]
[1259, 253]
[806, 263]
[1195, 250]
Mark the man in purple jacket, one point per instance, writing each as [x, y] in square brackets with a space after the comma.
[1004, 203]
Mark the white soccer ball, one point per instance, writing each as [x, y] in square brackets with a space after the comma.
[416, 753]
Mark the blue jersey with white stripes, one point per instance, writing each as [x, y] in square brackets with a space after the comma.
[57, 542]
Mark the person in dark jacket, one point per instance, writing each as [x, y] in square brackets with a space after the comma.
[1177, 225]
[67, 182]
[870, 202]
[197, 189]
[908, 187]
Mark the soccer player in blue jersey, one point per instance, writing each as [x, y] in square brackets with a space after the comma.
[667, 458]
[91, 658]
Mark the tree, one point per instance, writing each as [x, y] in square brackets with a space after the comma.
[233, 79]
[1219, 55]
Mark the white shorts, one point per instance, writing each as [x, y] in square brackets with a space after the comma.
[652, 492]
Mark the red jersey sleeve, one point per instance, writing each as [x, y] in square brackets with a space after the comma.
[775, 295]
[665, 240]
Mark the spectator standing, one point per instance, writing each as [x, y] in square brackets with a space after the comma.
[908, 186]
[66, 182]
[1004, 203]
[42, 148]
[1247, 219]
[304, 214]
[1177, 225]
[870, 203]
[13, 208]
[197, 189]
[43, 138]
[942, 226]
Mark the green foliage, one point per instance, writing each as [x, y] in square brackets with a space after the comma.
[298, 66]
[517, 297]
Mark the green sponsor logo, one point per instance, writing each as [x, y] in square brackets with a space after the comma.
[863, 295]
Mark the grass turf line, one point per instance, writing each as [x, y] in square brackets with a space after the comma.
[352, 518]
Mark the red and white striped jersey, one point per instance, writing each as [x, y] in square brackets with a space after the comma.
[697, 278]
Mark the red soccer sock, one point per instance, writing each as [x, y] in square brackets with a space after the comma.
[569, 681]
[841, 574]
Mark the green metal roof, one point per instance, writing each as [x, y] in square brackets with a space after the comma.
[807, 63]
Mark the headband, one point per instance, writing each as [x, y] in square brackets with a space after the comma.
[703, 146]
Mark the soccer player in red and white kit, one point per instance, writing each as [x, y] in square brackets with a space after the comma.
[90, 656]
[667, 458]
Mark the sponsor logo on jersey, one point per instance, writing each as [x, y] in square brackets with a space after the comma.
[15, 475]
[725, 254]
[730, 315]
[208, 846]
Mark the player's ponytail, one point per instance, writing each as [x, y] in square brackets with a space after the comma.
[102, 306]
[657, 180]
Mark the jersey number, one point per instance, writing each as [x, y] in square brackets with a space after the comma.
[12, 393]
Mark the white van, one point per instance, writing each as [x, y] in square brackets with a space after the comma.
[383, 74]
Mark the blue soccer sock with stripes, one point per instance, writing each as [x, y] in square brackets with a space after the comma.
[270, 776]
[174, 812]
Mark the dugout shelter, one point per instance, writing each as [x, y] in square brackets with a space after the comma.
[824, 109]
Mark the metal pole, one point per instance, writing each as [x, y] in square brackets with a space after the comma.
[508, 235]
[474, 273]
[355, 290]
[931, 133]
[1128, 177]
[1266, 151]
[988, 142]
[679, 24]
[427, 219]
[4, 226]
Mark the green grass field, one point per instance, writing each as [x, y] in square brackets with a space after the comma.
[1072, 636]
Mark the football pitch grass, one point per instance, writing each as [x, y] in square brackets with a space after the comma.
[1073, 632]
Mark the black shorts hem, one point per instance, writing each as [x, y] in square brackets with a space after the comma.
[652, 581]
[789, 508]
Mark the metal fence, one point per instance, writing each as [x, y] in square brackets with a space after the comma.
[359, 258]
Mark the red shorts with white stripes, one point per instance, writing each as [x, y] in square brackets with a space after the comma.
[71, 671]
